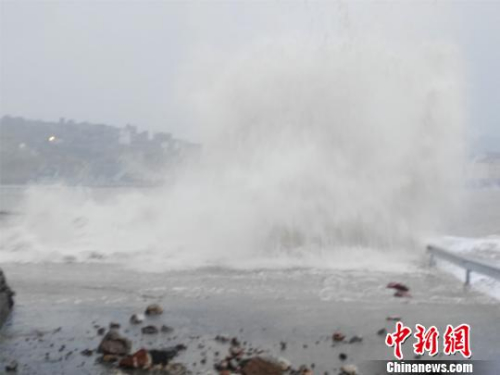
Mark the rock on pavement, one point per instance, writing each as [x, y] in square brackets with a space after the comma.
[6, 298]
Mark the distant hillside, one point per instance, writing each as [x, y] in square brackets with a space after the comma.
[84, 153]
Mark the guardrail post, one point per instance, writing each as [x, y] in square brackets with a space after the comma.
[469, 264]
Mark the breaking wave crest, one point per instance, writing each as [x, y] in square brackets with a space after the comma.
[331, 155]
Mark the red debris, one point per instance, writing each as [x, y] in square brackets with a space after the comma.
[398, 286]
[401, 289]
[260, 366]
[140, 359]
[338, 336]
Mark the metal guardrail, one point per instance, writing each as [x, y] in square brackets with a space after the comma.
[470, 265]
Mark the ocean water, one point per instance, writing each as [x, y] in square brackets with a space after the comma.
[345, 154]
[66, 237]
[299, 305]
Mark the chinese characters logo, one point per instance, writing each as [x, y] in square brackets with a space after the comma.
[455, 340]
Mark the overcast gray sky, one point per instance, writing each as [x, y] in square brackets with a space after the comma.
[116, 62]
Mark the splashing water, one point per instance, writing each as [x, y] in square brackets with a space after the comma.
[330, 155]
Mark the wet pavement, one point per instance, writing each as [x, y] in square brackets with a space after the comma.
[59, 308]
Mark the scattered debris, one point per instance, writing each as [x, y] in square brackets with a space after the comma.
[222, 339]
[153, 309]
[255, 364]
[393, 318]
[180, 347]
[355, 339]
[303, 370]
[11, 367]
[146, 359]
[109, 358]
[163, 357]
[401, 289]
[338, 336]
[6, 298]
[284, 363]
[261, 366]
[348, 370]
[402, 294]
[382, 331]
[240, 358]
[87, 352]
[149, 330]
[141, 359]
[398, 286]
[114, 343]
[166, 329]
[176, 369]
[137, 318]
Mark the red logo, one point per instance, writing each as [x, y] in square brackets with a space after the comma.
[398, 338]
[455, 340]
[427, 340]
